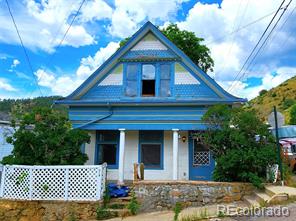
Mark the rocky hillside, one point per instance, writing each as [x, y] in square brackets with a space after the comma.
[282, 96]
[15, 106]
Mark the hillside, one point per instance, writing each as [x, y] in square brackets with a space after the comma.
[282, 96]
[9, 106]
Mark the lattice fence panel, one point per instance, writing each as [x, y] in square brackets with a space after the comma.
[89, 180]
[53, 182]
[49, 183]
[17, 182]
[201, 158]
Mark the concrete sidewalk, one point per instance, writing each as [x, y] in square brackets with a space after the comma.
[209, 210]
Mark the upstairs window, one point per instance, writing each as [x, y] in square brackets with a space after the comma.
[131, 80]
[165, 80]
[148, 80]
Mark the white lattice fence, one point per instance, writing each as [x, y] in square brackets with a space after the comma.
[53, 182]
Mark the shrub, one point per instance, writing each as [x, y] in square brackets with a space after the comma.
[288, 103]
[293, 115]
[133, 206]
[262, 92]
[45, 137]
[104, 213]
[177, 210]
[106, 197]
[231, 138]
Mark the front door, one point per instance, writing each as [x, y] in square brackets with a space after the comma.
[201, 162]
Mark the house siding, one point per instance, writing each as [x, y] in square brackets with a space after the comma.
[131, 157]
[139, 118]
[90, 148]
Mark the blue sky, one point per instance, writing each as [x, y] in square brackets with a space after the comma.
[100, 25]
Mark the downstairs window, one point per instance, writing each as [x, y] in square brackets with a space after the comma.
[107, 148]
[151, 149]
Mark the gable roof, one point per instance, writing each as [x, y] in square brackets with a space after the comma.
[112, 61]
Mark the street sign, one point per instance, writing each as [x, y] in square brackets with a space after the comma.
[280, 119]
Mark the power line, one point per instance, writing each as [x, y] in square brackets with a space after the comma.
[264, 42]
[24, 49]
[241, 28]
[257, 44]
[65, 34]
[60, 27]
[274, 35]
[233, 29]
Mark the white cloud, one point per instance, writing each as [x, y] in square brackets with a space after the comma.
[45, 79]
[269, 81]
[95, 10]
[89, 64]
[6, 86]
[65, 84]
[15, 63]
[129, 13]
[49, 20]
[214, 23]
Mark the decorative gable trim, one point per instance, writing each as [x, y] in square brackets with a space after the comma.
[183, 76]
[188, 64]
[149, 55]
[149, 42]
[114, 78]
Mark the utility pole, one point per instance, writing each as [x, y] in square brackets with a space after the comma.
[278, 144]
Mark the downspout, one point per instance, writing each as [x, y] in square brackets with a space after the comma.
[99, 119]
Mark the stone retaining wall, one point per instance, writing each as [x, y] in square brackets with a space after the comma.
[159, 195]
[47, 210]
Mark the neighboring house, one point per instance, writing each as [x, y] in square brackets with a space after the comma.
[5, 130]
[142, 105]
[286, 131]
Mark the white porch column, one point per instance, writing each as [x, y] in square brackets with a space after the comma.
[175, 153]
[121, 156]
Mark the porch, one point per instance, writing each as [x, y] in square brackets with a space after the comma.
[166, 154]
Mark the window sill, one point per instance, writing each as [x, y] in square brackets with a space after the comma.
[112, 166]
[153, 168]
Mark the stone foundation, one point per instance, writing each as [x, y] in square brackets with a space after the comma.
[159, 195]
[47, 210]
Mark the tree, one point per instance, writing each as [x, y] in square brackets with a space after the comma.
[262, 92]
[190, 44]
[241, 144]
[45, 137]
[293, 115]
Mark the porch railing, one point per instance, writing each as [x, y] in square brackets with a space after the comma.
[75, 183]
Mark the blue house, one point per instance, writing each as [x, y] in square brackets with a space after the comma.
[142, 105]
